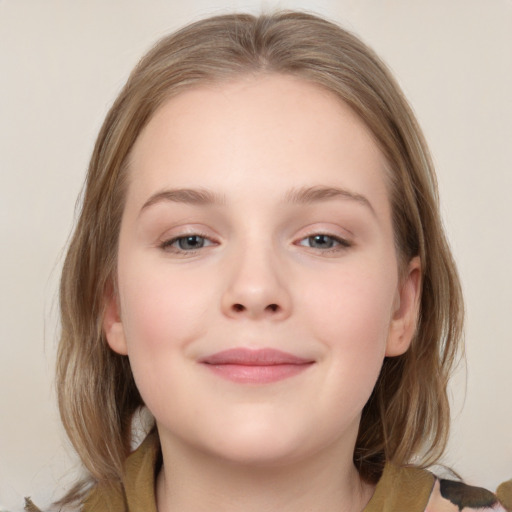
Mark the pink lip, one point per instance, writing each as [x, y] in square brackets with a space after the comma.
[255, 366]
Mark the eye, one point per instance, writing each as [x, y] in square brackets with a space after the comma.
[186, 243]
[325, 242]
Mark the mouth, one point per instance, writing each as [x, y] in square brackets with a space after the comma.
[261, 366]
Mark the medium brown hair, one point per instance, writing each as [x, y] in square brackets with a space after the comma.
[408, 413]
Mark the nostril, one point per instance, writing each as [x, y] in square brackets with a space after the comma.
[240, 307]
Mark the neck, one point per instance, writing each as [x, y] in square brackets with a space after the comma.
[201, 482]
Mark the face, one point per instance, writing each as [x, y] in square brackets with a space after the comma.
[258, 288]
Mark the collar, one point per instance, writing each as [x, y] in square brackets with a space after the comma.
[399, 488]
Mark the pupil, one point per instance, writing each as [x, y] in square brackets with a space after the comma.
[191, 242]
[321, 241]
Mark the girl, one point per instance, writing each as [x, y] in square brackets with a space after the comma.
[260, 263]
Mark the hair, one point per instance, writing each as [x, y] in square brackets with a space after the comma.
[407, 416]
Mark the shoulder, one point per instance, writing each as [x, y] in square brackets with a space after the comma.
[137, 489]
[409, 489]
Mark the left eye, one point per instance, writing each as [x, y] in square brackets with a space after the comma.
[321, 241]
[187, 243]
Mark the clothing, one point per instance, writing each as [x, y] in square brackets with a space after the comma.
[398, 490]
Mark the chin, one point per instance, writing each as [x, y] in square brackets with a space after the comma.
[260, 453]
[264, 444]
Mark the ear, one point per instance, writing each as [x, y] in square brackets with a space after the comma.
[406, 311]
[112, 325]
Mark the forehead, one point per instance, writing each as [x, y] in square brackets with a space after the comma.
[276, 128]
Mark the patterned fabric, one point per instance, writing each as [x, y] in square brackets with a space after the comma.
[417, 490]
[398, 490]
[451, 496]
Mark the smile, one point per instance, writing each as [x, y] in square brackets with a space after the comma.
[255, 366]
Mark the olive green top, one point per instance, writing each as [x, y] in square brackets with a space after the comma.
[400, 489]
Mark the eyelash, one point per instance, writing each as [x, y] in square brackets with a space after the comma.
[340, 244]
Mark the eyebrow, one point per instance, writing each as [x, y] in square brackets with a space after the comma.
[200, 197]
[303, 195]
[306, 195]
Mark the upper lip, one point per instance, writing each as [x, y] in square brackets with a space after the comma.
[251, 357]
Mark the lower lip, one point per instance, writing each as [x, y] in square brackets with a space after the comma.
[255, 374]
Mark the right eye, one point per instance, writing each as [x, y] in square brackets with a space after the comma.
[186, 243]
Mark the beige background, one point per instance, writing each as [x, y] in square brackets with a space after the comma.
[61, 65]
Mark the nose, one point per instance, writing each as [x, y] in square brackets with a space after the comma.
[256, 287]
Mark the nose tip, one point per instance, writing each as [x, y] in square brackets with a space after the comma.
[256, 287]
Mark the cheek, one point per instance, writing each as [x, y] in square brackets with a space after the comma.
[161, 311]
[351, 315]
[161, 315]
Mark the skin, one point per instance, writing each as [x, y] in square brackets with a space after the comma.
[312, 275]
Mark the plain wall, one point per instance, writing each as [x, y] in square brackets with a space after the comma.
[61, 65]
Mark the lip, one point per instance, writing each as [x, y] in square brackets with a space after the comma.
[260, 366]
